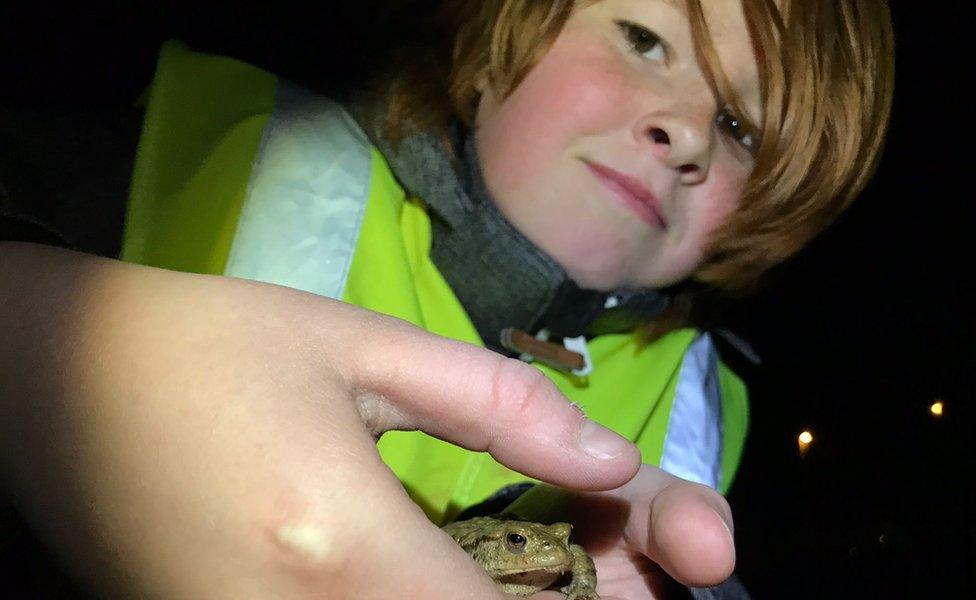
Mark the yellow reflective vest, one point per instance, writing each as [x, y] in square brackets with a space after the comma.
[243, 174]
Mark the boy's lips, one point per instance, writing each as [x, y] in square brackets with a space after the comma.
[634, 194]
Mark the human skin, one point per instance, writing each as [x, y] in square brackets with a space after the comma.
[171, 435]
[593, 99]
[654, 526]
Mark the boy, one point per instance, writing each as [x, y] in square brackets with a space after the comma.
[621, 148]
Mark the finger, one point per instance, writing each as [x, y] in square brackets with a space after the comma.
[405, 378]
[684, 527]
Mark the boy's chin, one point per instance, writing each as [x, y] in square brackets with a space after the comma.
[607, 279]
[601, 280]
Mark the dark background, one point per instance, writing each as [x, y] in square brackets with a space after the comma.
[859, 334]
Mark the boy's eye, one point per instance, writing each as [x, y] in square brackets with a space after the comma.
[738, 130]
[643, 41]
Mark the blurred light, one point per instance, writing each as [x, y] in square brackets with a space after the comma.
[937, 408]
[804, 440]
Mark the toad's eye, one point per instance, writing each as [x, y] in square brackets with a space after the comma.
[643, 41]
[516, 541]
[738, 130]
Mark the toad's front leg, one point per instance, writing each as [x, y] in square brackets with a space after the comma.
[583, 585]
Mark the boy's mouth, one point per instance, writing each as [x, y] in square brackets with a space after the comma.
[631, 192]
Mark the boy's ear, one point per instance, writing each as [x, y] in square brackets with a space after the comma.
[482, 81]
[485, 95]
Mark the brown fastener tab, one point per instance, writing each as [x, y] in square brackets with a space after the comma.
[554, 355]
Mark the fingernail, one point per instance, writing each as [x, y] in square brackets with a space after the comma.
[600, 442]
[728, 528]
[722, 512]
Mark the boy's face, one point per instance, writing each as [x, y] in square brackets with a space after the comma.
[613, 154]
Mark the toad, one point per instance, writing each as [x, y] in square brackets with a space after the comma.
[525, 557]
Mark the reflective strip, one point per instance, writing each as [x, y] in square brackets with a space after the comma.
[306, 197]
[693, 443]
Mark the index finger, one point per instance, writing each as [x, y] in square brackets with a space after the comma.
[406, 378]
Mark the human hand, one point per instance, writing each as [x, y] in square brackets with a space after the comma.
[654, 528]
[185, 436]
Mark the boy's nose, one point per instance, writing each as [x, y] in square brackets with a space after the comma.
[682, 143]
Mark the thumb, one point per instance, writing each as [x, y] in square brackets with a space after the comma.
[405, 378]
[684, 527]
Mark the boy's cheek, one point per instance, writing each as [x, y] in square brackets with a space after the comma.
[576, 95]
[722, 197]
[542, 122]
[695, 228]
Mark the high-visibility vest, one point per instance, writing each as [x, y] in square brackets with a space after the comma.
[240, 173]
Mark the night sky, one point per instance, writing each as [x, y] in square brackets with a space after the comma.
[859, 334]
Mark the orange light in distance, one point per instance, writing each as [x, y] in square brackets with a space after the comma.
[804, 440]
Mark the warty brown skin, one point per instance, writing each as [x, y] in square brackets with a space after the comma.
[524, 557]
